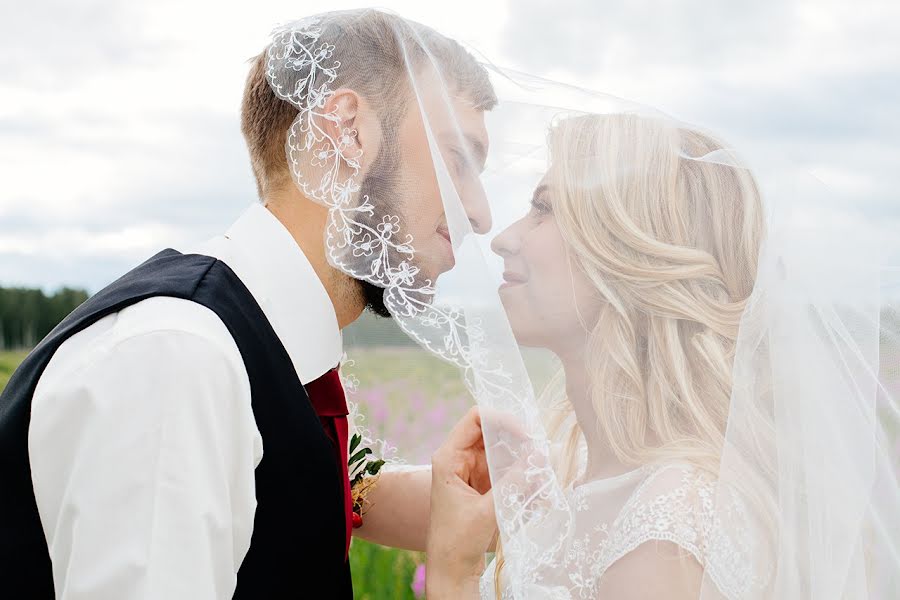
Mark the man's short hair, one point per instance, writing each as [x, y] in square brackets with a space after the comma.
[366, 42]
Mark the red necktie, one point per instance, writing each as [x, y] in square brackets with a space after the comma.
[326, 394]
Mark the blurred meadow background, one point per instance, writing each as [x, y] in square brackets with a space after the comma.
[409, 400]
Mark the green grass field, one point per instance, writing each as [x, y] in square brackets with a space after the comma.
[8, 363]
[381, 573]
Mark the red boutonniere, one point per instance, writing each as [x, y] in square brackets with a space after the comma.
[364, 475]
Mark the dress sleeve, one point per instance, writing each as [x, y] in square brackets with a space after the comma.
[671, 536]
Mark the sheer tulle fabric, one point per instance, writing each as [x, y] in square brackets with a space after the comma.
[746, 375]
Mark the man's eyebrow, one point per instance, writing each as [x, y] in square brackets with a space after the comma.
[477, 151]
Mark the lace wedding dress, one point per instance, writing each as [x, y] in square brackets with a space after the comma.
[676, 503]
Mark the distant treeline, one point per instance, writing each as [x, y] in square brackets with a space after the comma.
[28, 315]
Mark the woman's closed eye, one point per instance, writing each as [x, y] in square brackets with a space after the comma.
[540, 205]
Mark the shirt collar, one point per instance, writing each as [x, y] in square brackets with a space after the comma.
[267, 259]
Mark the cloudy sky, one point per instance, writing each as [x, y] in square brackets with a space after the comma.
[119, 120]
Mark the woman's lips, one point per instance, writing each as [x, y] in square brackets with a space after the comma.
[511, 278]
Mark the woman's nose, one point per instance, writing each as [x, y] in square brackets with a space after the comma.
[507, 241]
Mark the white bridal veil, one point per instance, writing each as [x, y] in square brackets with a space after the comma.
[686, 376]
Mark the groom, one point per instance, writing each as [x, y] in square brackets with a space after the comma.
[183, 433]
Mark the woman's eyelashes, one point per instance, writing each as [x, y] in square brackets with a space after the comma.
[540, 201]
[540, 207]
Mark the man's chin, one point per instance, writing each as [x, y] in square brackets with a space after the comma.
[374, 297]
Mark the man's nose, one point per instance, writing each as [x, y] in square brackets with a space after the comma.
[475, 203]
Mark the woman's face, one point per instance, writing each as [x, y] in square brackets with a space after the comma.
[549, 301]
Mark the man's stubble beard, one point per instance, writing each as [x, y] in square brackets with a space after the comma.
[384, 190]
[381, 186]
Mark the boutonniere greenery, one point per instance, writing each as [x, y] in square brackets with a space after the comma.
[363, 473]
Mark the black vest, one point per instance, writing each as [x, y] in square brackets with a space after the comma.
[298, 544]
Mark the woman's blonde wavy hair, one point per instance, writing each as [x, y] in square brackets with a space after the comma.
[670, 244]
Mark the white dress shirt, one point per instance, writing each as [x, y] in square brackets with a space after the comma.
[143, 443]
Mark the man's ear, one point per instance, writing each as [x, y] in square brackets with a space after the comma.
[357, 130]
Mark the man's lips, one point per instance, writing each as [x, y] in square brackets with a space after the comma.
[449, 259]
[511, 278]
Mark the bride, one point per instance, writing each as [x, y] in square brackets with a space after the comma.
[662, 268]
[691, 457]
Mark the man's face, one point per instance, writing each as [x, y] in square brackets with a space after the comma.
[460, 139]
[416, 196]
